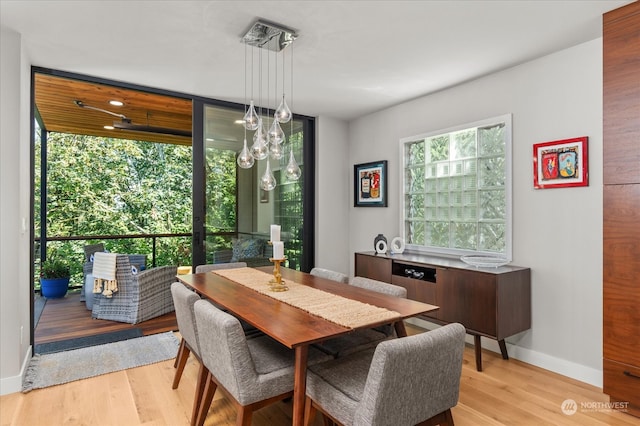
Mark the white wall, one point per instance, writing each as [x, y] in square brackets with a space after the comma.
[557, 232]
[15, 305]
[333, 179]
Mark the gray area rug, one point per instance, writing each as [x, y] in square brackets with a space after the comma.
[64, 367]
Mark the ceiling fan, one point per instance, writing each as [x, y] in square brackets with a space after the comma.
[126, 124]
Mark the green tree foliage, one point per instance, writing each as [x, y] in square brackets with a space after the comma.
[101, 186]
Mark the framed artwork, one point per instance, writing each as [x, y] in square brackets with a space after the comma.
[370, 184]
[561, 164]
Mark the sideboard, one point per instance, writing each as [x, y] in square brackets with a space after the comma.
[490, 302]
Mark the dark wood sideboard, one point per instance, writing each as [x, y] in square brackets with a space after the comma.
[621, 207]
[490, 302]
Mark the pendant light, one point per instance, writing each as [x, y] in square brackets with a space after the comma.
[292, 172]
[245, 159]
[268, 144]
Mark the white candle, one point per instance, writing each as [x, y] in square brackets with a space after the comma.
[275, 233]
[278, 250]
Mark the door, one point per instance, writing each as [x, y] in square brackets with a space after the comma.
[232, 213]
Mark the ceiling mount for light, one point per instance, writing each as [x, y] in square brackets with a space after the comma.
[268, 35]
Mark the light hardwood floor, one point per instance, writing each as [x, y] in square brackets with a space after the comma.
[505, 393]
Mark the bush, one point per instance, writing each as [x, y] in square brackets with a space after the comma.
[54, 268]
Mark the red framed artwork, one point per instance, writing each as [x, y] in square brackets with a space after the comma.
[561, 164]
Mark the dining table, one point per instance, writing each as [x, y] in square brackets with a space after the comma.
[293, 327]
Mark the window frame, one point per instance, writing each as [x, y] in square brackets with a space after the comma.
[508, 186]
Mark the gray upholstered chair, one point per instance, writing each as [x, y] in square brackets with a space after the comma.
[403, 382]
[379, 286]
[140, 296]
[249, 330]
[184, 301]
[330, 275]
[252, 373]
[364, 339]
[213, 267]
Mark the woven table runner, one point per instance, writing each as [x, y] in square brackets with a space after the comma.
[337, 309]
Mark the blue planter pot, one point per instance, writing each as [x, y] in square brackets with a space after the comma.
[52, 288]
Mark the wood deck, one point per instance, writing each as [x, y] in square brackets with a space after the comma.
[68, 318]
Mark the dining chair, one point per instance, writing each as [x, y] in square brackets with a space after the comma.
[402, 382]
[363, 339]
[249, 330]
[184, 300]
[379, 286]
[330, 275]
[216, 266]
[252, 373]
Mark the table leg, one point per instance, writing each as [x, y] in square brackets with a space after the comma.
[300, 384]
[401, 330]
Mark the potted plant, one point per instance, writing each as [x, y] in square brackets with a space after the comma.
[54, 278]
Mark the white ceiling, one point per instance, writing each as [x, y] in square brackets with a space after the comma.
[352, 57]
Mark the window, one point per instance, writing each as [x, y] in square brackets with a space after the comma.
[456, 186]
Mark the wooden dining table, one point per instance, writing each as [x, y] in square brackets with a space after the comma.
[291, 326]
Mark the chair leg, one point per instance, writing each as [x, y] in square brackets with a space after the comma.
[184, 356]
[244, 416]
[309, 411]
[209, 391]
[180, 349]
[444, 418]
[448, 418]
[203, 373]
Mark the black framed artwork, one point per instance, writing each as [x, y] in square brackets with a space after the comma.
[370, 184]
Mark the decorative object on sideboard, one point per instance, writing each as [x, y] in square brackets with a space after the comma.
[484, 261]
[370, 184]
[380, 244]
[397, 245]
[561, 164]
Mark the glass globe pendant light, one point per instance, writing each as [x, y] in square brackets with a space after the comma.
[292, 171]
[283, 113]
[268, 180]
[276, 135]
[251, 119]
[259, 149]
[275, 151]
[269, 138]
[245, 160]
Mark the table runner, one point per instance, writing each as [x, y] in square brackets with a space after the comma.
[337, 309]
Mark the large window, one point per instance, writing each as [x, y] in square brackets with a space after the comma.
[457, 189]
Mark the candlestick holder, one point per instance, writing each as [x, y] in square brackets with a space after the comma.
[277, 284]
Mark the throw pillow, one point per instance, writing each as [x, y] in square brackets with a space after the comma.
[243, 248]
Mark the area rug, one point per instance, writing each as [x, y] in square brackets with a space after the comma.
[64, 367]
[83, 342]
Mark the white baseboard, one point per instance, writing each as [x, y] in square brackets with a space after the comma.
[14, 384]
[592, 376]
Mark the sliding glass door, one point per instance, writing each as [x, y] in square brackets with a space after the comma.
[232, 221]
